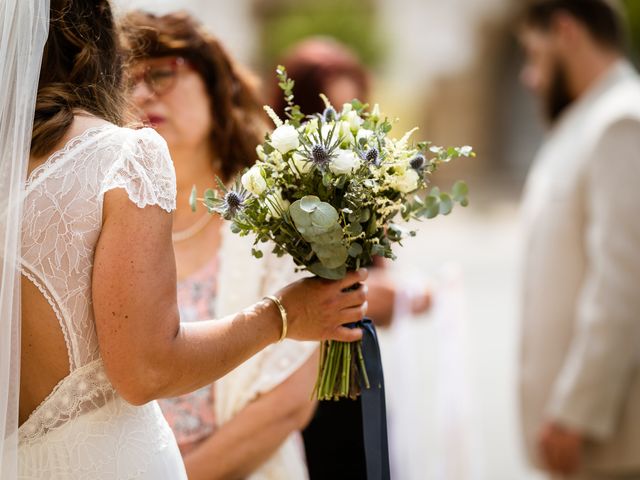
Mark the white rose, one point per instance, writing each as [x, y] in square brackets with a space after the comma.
[363, 133]
[260, 152]
[345, 161]
[406, 182]
[276, 204]
[285, 138]
[353, 119]
[300, 163]
[253, 181]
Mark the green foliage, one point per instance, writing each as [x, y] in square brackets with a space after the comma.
[286, 84]
[326, 202]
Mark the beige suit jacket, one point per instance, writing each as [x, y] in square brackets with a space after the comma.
[581, 287]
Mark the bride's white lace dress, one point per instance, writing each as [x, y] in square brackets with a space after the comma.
[84, 429]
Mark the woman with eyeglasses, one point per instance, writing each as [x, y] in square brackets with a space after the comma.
[191, 92]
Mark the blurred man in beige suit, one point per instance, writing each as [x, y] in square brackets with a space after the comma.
[580, 376]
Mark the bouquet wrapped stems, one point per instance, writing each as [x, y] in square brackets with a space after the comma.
[342, 370]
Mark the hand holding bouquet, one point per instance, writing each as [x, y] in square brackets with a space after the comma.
[329, 190]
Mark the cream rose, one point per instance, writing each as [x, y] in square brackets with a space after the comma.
[285, 138]
[253, 181]
[345, 161]
[405, 182]
[353, 119]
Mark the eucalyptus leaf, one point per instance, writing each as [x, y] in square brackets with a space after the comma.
[354, 228]
[460, 191]
[431, 207]
[311, 233]
[355, 250]
[335, 257]
[300, 217]
[328, 273]
[309, 203]
[446, 204]
[332, 236]
[324, 215]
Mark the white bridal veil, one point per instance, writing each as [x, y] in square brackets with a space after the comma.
[24, 26]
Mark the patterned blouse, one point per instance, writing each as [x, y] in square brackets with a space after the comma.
[191, 416]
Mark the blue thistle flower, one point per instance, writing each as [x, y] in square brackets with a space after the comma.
[233, 203]
[372, 156]
[329, 115]
[319, 155]
[417, 162]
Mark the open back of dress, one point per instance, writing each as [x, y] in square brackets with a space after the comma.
[83, 429]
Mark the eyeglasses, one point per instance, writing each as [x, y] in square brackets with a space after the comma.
[159, 79]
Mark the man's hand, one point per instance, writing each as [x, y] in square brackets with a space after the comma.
[560, 448]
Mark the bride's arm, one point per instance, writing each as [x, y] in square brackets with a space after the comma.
[147, 353]
[257, 431]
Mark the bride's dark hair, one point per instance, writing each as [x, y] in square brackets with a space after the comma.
[81, 70]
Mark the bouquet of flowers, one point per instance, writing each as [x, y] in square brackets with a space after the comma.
[329, 190]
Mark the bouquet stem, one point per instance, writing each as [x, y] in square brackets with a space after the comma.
[342, 371]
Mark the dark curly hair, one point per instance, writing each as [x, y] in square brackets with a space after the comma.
[81, 70]
[604, 19]
[239, 121]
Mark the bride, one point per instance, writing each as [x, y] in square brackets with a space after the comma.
[90, 232]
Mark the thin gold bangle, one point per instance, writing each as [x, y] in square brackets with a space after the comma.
[283, 315]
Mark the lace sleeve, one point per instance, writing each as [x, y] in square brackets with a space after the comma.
[144, 169]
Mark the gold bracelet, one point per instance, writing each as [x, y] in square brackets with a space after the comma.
[283, 315]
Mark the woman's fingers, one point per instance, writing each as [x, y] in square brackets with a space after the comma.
[352, 278]
[353, 298]
[344, 334]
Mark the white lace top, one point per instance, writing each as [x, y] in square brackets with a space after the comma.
[61, 226]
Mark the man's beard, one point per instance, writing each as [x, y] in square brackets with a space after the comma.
[559, 97]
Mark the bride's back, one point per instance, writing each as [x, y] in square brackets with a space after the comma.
[63, 375]
[45, 356]
[80, 71]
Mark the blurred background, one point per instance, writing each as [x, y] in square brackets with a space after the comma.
[450, 67]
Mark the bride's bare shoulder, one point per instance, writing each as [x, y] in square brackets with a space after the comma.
[81, 123]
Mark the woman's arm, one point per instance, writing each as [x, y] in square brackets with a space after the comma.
[250, 438]
[147, 353]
